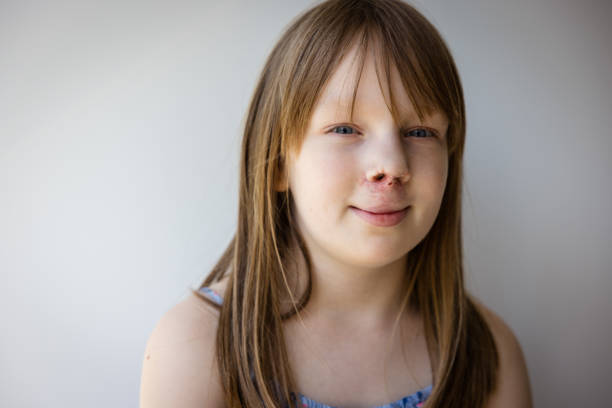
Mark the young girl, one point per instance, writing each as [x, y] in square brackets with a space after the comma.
[343, 285]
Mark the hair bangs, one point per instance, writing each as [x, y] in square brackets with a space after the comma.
[425, 99]
[420, 62]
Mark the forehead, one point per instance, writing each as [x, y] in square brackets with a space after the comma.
[365, 81]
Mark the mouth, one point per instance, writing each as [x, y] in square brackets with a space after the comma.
[382, 216]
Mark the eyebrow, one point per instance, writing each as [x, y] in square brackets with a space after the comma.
[344, 102]
[341, 101]
[343, 108]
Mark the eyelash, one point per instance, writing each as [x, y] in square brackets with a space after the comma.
[433, 133]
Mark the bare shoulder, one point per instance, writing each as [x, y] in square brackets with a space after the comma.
[179, 366]
[513, 389]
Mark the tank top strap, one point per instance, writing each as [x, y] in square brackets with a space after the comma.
[211, 294]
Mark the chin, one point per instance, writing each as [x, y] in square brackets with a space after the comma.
[376, 257]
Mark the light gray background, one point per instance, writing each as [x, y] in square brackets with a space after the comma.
[119, 136]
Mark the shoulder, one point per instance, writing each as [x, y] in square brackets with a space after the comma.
[179, 365]
[513, 389]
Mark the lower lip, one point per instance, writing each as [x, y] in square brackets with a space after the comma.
[381, 219]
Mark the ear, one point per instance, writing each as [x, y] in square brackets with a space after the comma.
[281, 182]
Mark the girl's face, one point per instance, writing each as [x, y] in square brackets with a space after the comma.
[348, 172]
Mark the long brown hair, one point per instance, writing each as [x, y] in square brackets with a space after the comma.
[252, 356]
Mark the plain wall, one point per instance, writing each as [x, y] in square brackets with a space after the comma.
[119, 136]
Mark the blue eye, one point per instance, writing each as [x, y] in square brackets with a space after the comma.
[421, 133]
[344, 130]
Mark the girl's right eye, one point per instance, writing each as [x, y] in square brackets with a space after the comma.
[343, 130]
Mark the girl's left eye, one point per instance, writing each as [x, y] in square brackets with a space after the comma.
[344, 130]
[421, 133]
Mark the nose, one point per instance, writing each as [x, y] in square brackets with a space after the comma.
[391, 168]
[382, 177]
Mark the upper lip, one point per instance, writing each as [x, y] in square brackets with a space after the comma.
[383, 208]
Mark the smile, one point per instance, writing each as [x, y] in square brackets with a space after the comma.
[388, 219]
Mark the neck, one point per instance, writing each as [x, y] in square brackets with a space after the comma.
[349, 297]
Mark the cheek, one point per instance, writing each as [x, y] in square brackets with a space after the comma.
[323, 175]
[438, 174]
[430, 171]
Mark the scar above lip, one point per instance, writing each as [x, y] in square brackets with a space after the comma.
[386, 187]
